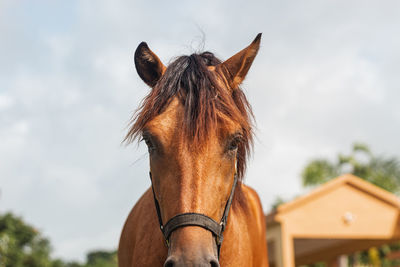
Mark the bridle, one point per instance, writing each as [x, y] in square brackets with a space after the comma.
[195, 219]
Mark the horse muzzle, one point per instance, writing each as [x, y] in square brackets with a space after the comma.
[192, 246]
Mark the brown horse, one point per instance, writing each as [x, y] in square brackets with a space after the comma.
[197, 125]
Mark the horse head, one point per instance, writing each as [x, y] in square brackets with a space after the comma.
[197, 125]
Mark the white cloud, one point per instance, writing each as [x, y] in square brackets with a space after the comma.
[6, 102]
[325, 76]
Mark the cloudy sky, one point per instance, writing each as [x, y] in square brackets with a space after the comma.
[327, 75]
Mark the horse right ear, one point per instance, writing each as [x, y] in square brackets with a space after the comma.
[236, 67]
[148, 65]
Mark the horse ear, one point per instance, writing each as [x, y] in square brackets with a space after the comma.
[236, 67]
[148, 65]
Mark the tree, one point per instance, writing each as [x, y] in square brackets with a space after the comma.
[98, 258]
[277, 202]
[101, 258]
[21, 245]
[381, 171]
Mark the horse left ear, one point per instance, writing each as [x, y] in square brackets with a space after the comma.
[148, 65]
[236, 67]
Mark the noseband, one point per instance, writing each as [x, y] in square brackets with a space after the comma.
[196, 219]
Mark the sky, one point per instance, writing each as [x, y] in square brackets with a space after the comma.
[327, 75]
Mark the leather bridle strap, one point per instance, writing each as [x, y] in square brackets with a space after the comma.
[191, 219]
[195, 219]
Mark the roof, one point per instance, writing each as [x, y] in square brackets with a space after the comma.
[347, 179]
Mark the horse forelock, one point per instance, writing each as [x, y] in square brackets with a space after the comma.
[206, 99]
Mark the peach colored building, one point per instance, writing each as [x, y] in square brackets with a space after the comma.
[342, 216]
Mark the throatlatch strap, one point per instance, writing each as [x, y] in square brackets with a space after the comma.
[157, 206]
[228, 204]
[224, 219]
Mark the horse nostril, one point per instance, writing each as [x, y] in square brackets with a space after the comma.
[174, 262]
[170, 262]
[214, 262]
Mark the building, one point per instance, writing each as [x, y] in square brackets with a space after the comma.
[342, 216]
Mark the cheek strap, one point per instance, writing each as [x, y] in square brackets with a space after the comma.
[196, 219]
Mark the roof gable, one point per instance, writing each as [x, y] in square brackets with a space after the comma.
[347, 179]
[346, 207]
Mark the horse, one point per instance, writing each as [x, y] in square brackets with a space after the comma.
[198, 128]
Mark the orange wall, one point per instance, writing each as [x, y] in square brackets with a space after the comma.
[325, 217]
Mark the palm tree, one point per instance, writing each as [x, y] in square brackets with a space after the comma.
[381, 171]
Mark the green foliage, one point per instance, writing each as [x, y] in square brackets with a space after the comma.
[101, 259]
[378, 170]
[21, 245]
[319, 171]
[278, 201]
[318, 264]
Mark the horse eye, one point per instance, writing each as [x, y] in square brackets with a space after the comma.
[148, 142]
[234, 143]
